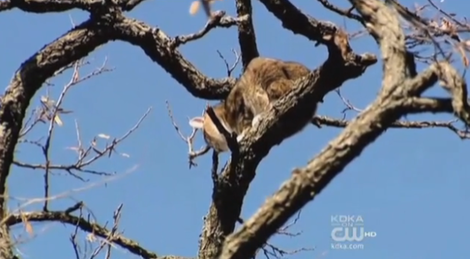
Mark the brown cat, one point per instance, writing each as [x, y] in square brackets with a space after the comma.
[264, 81]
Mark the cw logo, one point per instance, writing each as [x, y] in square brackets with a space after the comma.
[350, 234]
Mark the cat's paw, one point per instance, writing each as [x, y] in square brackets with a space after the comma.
[241, 136]
[256, 120]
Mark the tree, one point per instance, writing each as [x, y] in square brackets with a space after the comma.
[401, 94]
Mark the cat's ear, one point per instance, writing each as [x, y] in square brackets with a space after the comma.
[196, 122]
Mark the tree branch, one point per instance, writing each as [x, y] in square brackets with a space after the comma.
[128, 5]
[382, 24]
[157, 45]
[299, 23]
[85, 225]
[73, 45]
[426, 104]
[413, 107]
[346, 13]
[453, 83]
[246, 32]
[49, 6]
[217, 19]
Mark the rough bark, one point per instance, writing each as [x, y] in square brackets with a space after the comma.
[400, 94]
[246, 32]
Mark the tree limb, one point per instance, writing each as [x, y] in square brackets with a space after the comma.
[413, 107]
[157, 45]
[428, 104]
[346, 13]
[246, 32]
[73, 45]
[299, 23]
[85, 225]
[49, 6]
[217, 19]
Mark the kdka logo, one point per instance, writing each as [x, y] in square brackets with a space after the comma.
[348, 231]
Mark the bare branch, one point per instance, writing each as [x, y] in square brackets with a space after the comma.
[128, 5]
[84, 160]
[73, 45]
[54, 120]
[206, 6]
[218, 19]
[73, 236]
[346, 13]
[393, 52]
[85, 225]
[47, 6]
[109, 239]
[269, 250]
[423, 104]
[232, 67]
[246, 32]
[453, 83]
[416, 108]
[157, 45]
[188, 140]
[299, 23]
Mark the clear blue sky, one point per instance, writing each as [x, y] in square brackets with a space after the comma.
[410, 186]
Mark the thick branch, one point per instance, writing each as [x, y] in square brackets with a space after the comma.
[383, 25]
[157, 45]
[454, 84]
[450, 80]
[299, 23]
[128, 5]
[423, 104]
[246, 32]
[73, 45]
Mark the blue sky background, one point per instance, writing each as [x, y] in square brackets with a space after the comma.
[410, 186]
